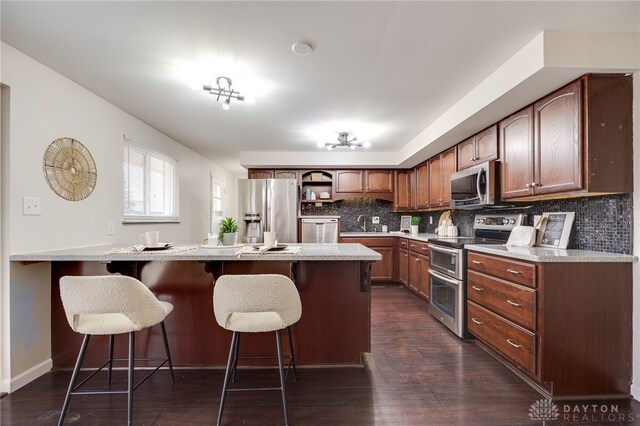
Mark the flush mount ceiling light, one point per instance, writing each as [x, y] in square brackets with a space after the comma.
[302, 48]
[343, 140]
[224, 91]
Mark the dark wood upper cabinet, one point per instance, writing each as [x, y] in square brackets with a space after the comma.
[285, 174]
[478, 148]
[378, 181]
[516, 154]
[575, 141]
[557, 141]
[349, 181]
[260, 174]
[449, 161]
[413, 191]
[440, 169]
[422, 186]
[435, 180]
[466, 153]
[402, 199]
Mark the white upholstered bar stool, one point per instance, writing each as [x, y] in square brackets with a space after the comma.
[110, 305]
[255, 304]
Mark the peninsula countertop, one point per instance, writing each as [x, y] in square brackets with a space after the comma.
[99, 253]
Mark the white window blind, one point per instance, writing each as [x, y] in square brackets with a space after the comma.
[150, 185]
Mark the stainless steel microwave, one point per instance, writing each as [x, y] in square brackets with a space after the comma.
[474, 188]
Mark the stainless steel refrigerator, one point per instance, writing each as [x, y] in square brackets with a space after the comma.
[268, 205]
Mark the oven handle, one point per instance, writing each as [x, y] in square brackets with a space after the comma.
[444, 278]
[443, 249]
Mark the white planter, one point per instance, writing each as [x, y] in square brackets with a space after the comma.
[414, 229]
[229, 238]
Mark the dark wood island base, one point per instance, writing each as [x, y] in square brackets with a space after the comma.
[334, 329]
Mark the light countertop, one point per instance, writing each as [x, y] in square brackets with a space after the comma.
[309, 252]
[534, 254]
[546, 254]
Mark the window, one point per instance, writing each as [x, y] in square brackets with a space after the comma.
[150, 185]
[217, 201]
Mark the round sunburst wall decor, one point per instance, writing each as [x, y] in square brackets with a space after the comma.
[69, 169]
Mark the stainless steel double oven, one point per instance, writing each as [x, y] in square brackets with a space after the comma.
[448, 269]
[446, 282]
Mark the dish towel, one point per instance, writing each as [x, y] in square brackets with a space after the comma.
[265, 250]
[138, 248]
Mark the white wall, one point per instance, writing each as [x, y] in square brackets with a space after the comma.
[44, 106]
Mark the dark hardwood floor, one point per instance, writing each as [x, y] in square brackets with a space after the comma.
[417, 373]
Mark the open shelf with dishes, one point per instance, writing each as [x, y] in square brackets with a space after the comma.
[316, 186]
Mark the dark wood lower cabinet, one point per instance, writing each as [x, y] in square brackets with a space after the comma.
[383, 269]
[567, 331]
[403, 267]
[334, 329]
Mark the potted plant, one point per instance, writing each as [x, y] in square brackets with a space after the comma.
[415, 221]
[228, 231]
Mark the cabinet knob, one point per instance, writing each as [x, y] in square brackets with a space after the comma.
[528, 185]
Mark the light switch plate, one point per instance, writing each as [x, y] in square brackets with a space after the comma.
[375, 220]
[31, 206]
[110, 230]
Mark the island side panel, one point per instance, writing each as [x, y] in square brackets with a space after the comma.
[334, 329]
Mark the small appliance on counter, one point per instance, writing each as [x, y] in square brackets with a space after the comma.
[448, 269]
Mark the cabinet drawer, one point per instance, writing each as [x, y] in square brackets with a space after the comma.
[370, 241]
[514, 302]
[419, 247]
[404, 243]
[512, 270]
[515, 343]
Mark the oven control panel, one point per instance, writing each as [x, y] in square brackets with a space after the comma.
[498, 221]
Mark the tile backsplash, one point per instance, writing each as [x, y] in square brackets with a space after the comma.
[601, 223]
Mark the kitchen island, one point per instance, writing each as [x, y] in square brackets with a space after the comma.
[333, 281]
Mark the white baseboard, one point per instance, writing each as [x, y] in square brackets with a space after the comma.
[635, 392]
[15, 383]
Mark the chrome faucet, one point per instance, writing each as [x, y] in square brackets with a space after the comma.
[364, 222]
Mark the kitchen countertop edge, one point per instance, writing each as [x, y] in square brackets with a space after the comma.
[309, 252]
[551, 255]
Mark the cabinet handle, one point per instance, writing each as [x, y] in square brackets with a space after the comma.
[417, 259]
[425, 248]
[476, 262]
[513, 303]
[514, 272]
[515, 345]
[477, 288]
[476, 321]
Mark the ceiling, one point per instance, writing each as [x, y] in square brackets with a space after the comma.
[383, 71]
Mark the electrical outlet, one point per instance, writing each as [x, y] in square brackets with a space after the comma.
[375, 220]
[430, 220]
[31, 206]
[110, 228]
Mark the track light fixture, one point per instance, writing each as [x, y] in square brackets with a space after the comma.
[343, 140]
[224, 91]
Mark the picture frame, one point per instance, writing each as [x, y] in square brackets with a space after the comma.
[555, 229]
[405, 223]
